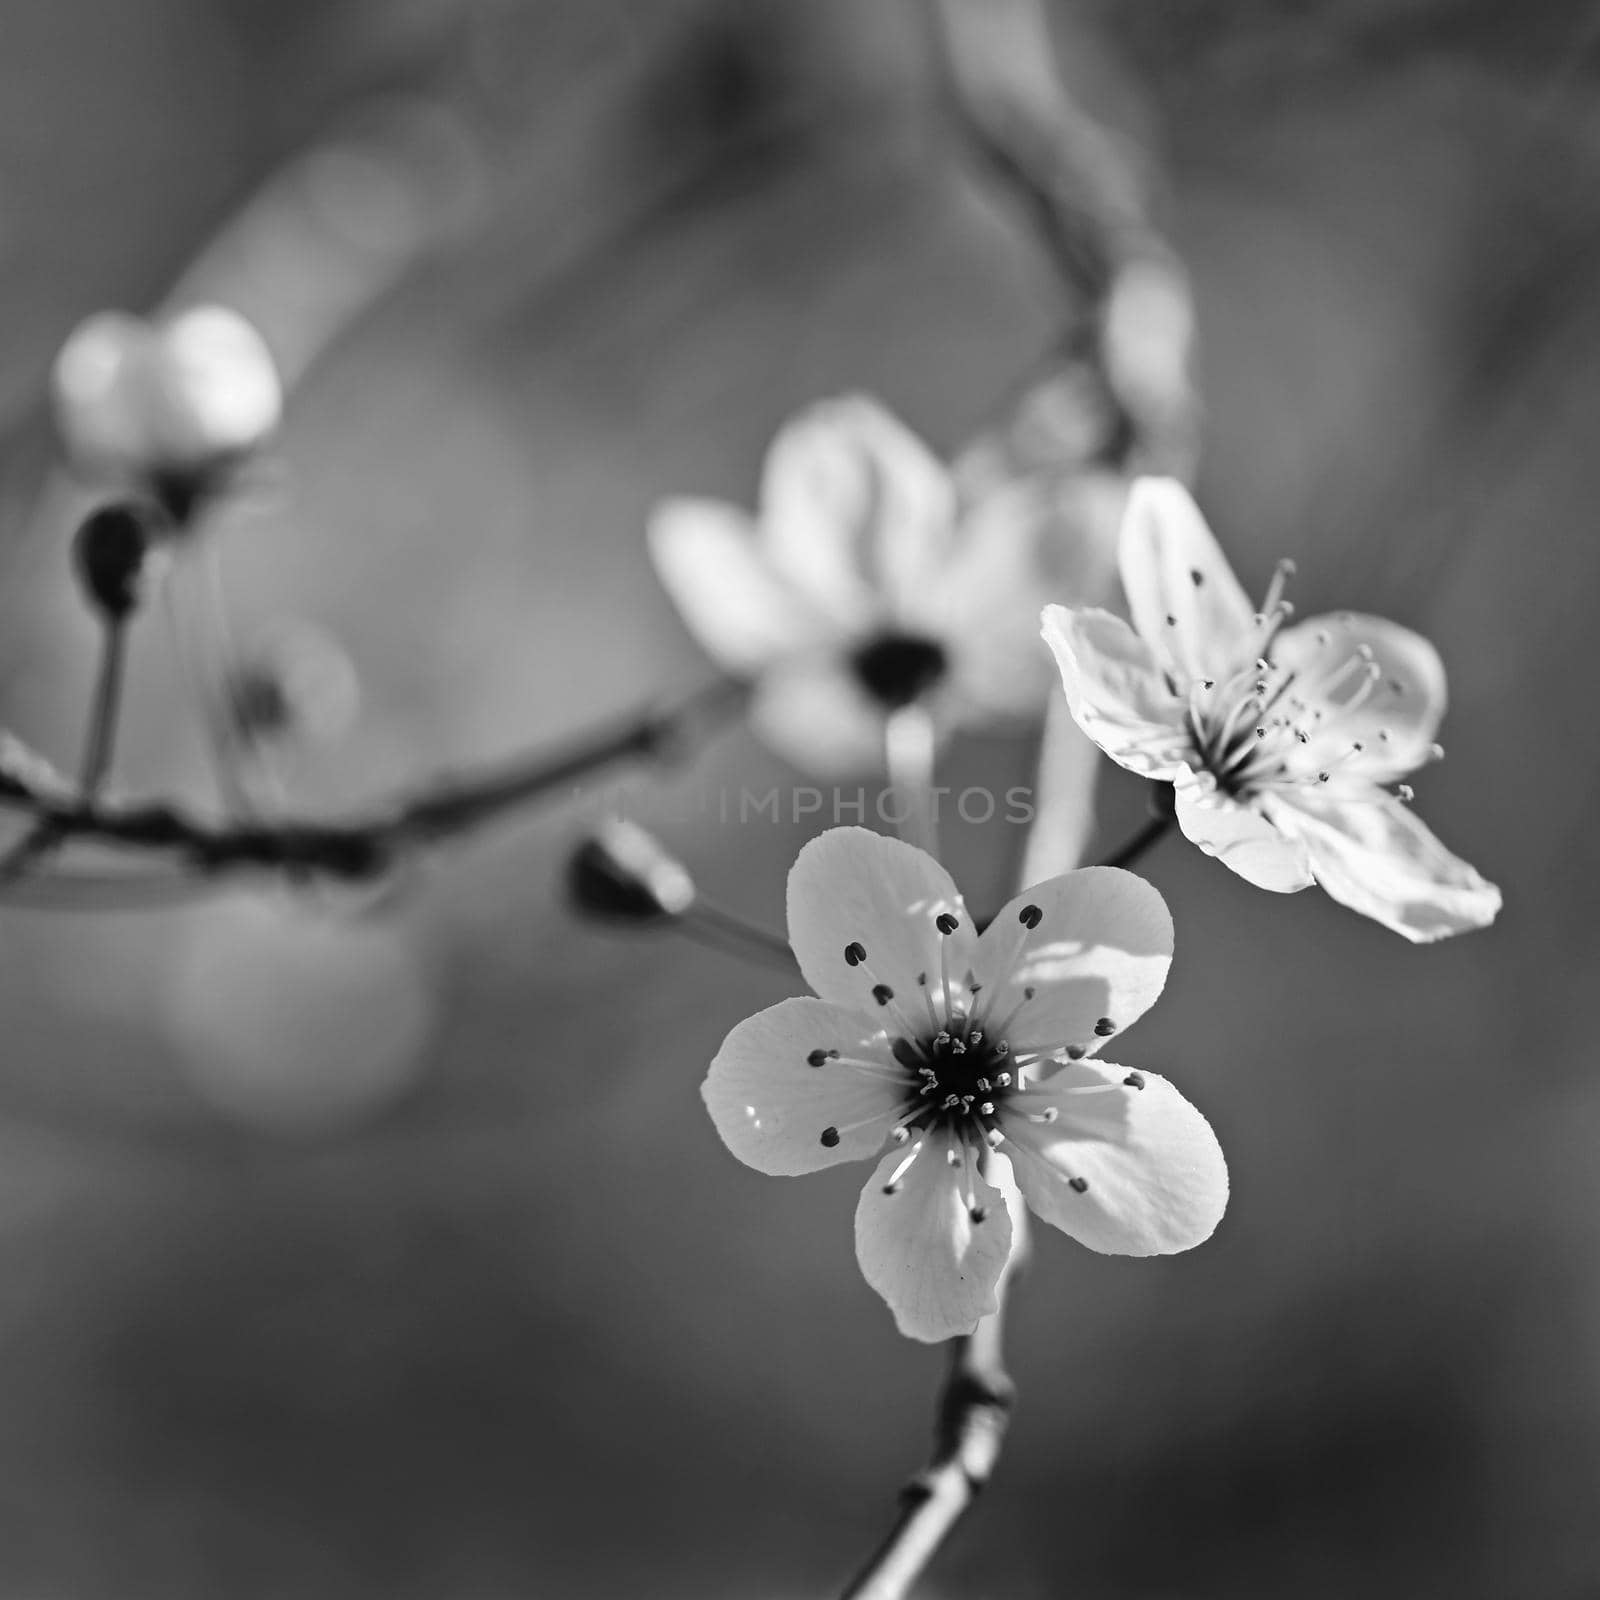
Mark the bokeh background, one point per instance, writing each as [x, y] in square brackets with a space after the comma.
[352, 1251]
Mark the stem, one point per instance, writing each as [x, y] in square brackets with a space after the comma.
[205, 661]
[727, 930]
[1150, 834]
[365, 847]
[908, 744]
[1067, 769]
[974, 1413]
[100, 743]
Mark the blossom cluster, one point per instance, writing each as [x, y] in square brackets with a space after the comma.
[967, 1060]
[878, 601]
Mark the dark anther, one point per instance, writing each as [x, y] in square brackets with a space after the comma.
[1105, 1027]
[1030, 917]
[1075, 1052]
[978, 1213]
[897, 669]
[1134, 1080]
[817, 1057]
[830, 1137]
[945, 923]
[1196, 576]
[112, 553]
[882, 993]
[906, 1054]
[1080, 1184]
[855, 954]
[1172, 621]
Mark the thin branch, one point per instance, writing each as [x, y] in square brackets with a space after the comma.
[1163, 813]
[1083, 191]
[727, 931]
[360, 848]
[101, 740]
[1150, 834]
[974, 1413]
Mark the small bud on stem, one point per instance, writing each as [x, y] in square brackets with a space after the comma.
[620, 872]
[112, 556]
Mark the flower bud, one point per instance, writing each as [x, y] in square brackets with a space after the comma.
[170, 406]
[112, 556]
[622, 873]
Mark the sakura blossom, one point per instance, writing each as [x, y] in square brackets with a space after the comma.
[1287, 745]
[966, 1065]
[866, 583]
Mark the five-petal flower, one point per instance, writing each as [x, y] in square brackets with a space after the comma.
[866, 584]
[963, 1061]
[1286, 744]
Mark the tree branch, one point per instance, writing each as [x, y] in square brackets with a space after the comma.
[359, 848]
[974, 1413]
[1083, 191]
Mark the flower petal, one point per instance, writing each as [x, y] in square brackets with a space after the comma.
[1020, 546]
[1093, 945]
[771, 1105]
[739, 609]
[1118, 691]
[856, 509]
[105, 388]
[220, 392]
[920, 1248]
[1377, 857]
[813, 711]
[1396, 714]
[1128, 1166]
[861, 920]
[1183, 595]
[1244, 840]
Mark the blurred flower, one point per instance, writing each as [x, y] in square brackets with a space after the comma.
[865, 585]
[972, 1057]
[294, 1020]
[171, 407]
[297, 682]
[1285, 744]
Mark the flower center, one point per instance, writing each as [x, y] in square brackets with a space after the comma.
[956, 1064]
[1276, 725]
[961, 1075]
[897, 669]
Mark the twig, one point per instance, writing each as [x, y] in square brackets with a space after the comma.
[1083, 192]
[1163, 813]
[1154, 830]
[1086, 204]
[101, 740]
[360, 848]
[974, 1413]
[725, 930]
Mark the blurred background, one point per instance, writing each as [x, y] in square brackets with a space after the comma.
[393, 1254]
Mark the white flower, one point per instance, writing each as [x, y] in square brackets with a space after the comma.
[972, 1058]
[170, 406]
[863, 585]
[1286, 745]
